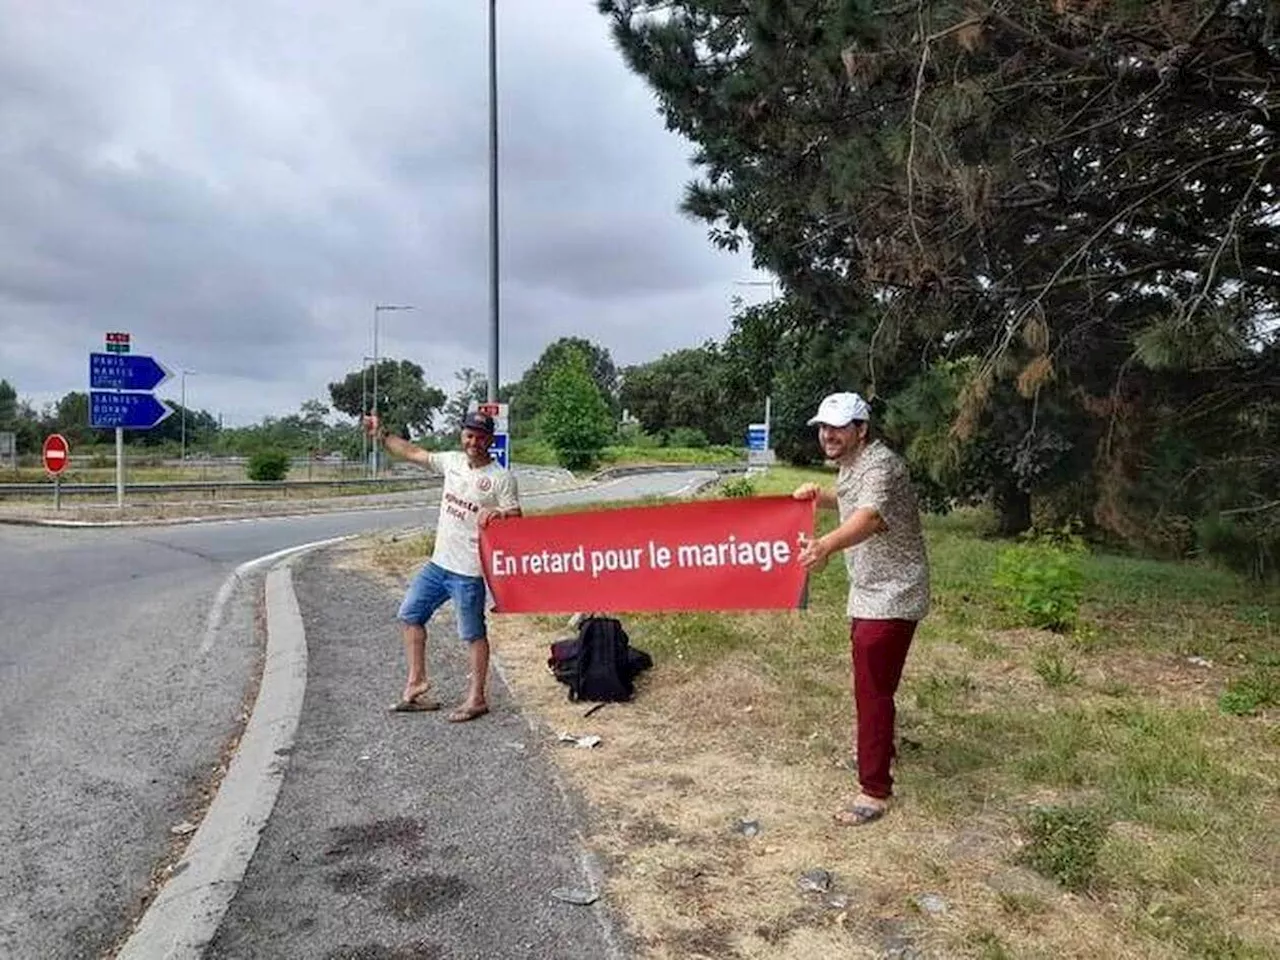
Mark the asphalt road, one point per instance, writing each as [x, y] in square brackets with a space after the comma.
[117, 697]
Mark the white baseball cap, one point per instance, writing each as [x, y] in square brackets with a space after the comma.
[841, 409]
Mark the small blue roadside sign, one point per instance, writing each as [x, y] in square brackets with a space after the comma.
[757, 436]
[498, 449]
[131, 411]
[125, 371]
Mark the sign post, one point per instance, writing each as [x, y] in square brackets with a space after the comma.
[759, 447]
[120, 397]
[500, 449]
[56, 457]
[9, 448]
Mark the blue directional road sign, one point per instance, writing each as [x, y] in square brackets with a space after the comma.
[124, 371]
[498, 449]
[132, 411]
[757, 436]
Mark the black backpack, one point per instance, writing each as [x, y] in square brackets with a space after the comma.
[600, 663]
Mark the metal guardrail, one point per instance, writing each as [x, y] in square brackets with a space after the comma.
[212, 487]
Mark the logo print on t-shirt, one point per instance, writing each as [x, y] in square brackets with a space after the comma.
[484, 483]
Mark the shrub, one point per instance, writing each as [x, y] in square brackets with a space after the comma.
[738, 487]
[1064, 844]
[1045, 578]
[633, 435]
[1251, 693]
[575, 417]
[1251, 547]
[690, 437]
[267, 466]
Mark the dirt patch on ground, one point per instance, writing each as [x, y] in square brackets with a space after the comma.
[709, 824]
[1030, 660]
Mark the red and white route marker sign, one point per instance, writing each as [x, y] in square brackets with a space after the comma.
[57, 453]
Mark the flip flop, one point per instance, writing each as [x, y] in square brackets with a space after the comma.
[418, 703]
[859, 815]
[463, 714]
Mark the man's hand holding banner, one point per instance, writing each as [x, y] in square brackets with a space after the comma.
[735, 554]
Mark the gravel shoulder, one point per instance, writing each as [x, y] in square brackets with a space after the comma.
[402, 835]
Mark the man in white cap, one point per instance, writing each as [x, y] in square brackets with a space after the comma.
[888, 569]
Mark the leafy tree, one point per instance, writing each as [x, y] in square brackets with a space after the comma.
[575, 417]
[8, 405]
[527, 395]
[1079, 197]
[678, 390]
[473, 387]
[406, 403]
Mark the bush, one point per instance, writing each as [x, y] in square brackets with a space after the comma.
[1064, 844]
[1045, 578]
[633, 435]
[268, 466]
[689, 437]
[576, 420]
[1249, 694]
[738, 487]
[1251, 547]
[533, 453]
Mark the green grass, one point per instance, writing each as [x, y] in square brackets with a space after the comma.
[540, 453]
[1004, 712]
[1159, 808]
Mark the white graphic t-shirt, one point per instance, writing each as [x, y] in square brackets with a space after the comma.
[467, 491]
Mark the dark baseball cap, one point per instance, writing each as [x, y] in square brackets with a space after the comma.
[478, 421]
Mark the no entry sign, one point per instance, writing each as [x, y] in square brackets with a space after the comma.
[56, 453]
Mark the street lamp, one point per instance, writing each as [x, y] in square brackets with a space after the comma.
[377, 309]
[364, 406]
[184, 413]
[493, 201]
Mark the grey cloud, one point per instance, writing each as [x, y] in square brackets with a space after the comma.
[237, 184]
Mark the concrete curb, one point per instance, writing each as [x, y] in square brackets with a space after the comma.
[606, 476]
[181, 521]
[615, 473]
[182, 921]
[222, 518]
[184, 521]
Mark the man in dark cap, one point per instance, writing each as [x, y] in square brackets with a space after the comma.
[476, 491]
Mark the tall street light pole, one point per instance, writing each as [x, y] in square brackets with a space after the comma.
[493, 201]
[377, 309]
[364, 407]
[183, 404]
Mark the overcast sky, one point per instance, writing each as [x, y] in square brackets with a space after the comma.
[236, 184]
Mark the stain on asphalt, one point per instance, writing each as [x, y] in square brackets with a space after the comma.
[421, 950]
[357, 838]
[355, 879]
[415, 897]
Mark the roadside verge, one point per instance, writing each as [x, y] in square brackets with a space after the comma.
[184, 917]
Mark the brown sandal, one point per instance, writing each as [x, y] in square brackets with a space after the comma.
[859, 814]
[420, 702]
[463, 714]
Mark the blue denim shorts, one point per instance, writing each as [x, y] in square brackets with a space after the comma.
[432, 587]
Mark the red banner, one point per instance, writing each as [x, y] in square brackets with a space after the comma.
[737, 554]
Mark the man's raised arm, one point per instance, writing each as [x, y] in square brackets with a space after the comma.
[395, 445]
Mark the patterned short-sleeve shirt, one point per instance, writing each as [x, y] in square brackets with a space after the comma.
[889, 572]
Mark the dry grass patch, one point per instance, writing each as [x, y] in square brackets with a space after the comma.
[1061, 795]
[679, 770]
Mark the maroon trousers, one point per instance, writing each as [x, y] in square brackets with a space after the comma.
[879, 652]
